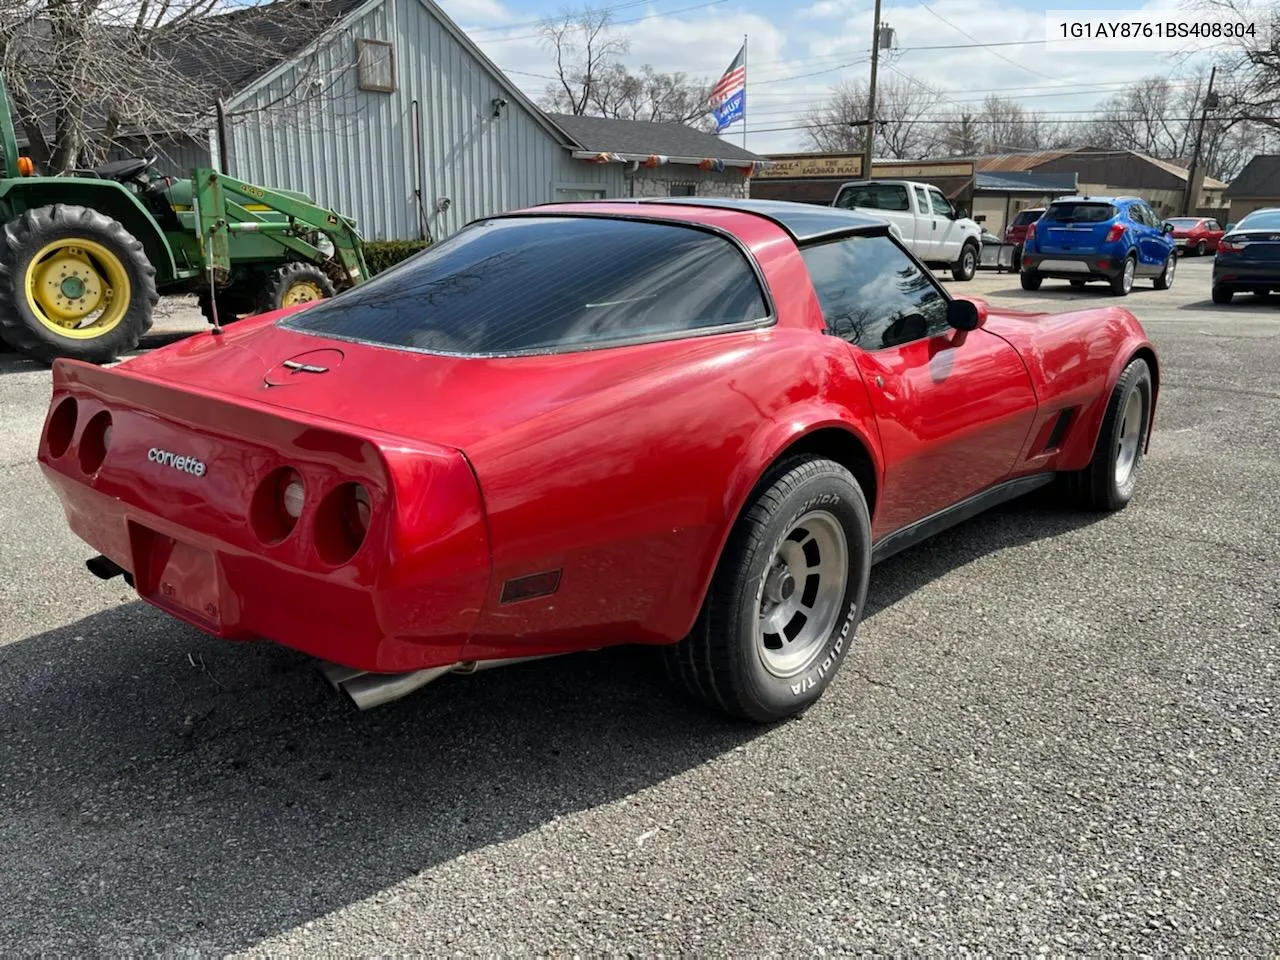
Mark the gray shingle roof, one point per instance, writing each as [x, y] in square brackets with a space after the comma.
[1029, 181]
[218, 51]
[642, 138]
[1259, 178]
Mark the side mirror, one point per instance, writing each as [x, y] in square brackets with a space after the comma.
[1168, 228]
[966, 315]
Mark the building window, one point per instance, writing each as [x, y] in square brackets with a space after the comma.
[684, 190]
[573, 194]
[376, 61]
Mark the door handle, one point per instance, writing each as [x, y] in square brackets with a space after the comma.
[879, 381]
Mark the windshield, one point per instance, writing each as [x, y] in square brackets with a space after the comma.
[538, 284]
[1027, 216]
[1184, 222]
[1268, 220]
[1084, 212]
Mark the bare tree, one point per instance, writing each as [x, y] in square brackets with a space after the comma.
[1248, 79]
[1158, 116]
[903, 131]
[650, 95]
[583, 49]
[82, 73]
[999, 126]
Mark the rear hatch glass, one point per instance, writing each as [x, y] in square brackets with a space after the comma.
[1078, 226]
[1258, 235]
[546, 284]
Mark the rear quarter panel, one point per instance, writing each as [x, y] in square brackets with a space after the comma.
[1075, 360]
[632, 490]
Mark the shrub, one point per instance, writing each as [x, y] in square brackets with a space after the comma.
[381, 254]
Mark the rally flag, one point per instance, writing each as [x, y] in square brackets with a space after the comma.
[728, 98]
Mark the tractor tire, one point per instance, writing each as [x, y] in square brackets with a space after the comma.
[232, 306]
[292, 284]
[74, 260]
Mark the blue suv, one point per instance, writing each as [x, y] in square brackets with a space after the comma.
[1099, 238]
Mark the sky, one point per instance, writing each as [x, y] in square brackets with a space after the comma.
[797, 51]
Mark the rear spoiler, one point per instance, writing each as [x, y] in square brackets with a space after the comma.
[237, 417]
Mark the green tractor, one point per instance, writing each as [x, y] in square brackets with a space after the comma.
[84, 258]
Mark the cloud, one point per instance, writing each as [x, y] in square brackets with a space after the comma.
[793, 63]
[468, 12]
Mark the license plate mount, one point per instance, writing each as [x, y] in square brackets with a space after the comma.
[178, 576]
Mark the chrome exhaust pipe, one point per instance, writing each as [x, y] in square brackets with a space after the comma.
[368, 690]
[475, 666]
[336, 674]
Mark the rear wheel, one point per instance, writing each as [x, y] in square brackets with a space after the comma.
[1222, 293]
[1201, 247]
[1165, 280]
[967, 265]
[785, 601]
[1108, 482]
[1122, 282]
[73, 283]
[1030, 280]
[292, 284]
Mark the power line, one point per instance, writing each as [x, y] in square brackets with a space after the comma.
[988, 47]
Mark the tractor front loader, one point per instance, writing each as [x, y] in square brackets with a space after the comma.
[85, 258]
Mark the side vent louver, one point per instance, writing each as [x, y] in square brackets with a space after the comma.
[1060, 429]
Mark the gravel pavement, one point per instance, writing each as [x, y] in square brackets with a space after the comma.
[1057, 734]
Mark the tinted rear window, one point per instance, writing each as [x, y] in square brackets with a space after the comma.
[1259, 221]
[1027, 216]
[538, 284]
[1080, 212]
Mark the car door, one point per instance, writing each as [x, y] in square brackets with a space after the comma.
[926, 245]
[952, 408]
[1213, 233]
[947, 238]
[1154, 245]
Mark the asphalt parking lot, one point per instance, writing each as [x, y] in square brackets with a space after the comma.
[1057, 734]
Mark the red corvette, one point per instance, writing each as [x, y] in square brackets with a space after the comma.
[694, 424]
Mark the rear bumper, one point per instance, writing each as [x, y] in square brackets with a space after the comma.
[342, 616]
[1072, 265]
[1247, 277]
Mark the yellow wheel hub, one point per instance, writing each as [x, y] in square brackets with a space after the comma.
[77, 288]
[302, 291]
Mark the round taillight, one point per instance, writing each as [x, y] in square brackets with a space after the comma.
[62, 427]
[277, 504]
[292, 496]
[342, 522]
[94, 442]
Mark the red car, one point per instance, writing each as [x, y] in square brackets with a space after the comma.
[691, 424]
[1199, 235]
[1016, 232]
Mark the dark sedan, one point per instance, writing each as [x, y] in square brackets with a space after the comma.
[1248, 257]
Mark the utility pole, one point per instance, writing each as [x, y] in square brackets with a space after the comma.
[871, 96]
[1210, 102]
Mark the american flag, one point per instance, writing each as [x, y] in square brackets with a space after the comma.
[728, 98]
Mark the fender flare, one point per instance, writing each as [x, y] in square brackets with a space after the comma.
[771, 442]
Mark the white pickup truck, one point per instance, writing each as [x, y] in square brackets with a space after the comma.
[922, 218]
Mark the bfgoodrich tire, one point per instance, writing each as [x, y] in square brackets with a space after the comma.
[785, 601]
[73, 283]
[1107, 484]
